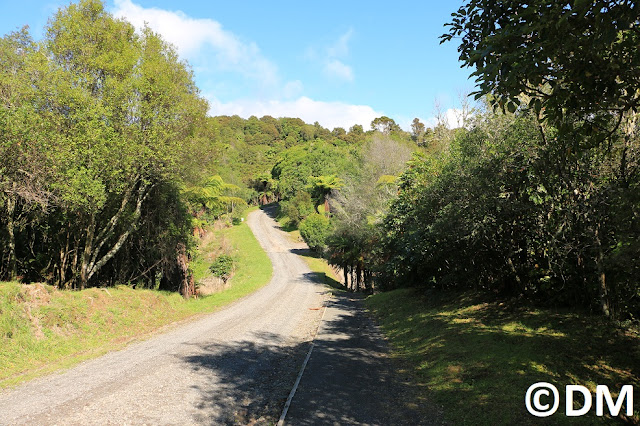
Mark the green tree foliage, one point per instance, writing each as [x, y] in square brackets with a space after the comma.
[384, 125]
[497, 211]
[418, 131]
[576, 62]
[111, 116]
[297, 167]
[315, 229]
[211, 198]
[243, 152]
[297, 208]
[320, 188]
[584, 90]
[359, 206]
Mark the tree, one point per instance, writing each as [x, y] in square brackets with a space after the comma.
[339, 132]
[315, 229]
[109, 117]
[384, 125]
[320, 188]
[417, 131]
[211, 197]
[23, 167]
[359, 207]
[356, 134]
[575, 58]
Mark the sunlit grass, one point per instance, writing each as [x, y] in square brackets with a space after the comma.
[476, 359]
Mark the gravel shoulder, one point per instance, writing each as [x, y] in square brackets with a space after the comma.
[234, 366]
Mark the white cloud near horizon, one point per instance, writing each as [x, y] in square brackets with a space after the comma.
[452, 117]
[328, 114]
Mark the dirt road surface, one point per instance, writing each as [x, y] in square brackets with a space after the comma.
[235, 366]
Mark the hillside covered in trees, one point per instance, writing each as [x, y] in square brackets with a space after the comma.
[110, 165]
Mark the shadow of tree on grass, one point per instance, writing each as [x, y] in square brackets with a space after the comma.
[478, 359]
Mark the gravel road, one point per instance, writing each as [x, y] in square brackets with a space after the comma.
[234, 366]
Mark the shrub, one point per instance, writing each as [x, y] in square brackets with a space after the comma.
[297, 208]
[222, 267]
[315, 229]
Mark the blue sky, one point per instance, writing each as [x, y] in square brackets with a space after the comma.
[336, 62]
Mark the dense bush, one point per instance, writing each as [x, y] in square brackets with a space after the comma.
[222, 267]
[297, 208]
[507, 212]
[91, 148]
[315, 229]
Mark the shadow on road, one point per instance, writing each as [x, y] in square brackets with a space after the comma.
[348, 379]
[247, 382]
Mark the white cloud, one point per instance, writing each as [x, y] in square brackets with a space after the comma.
[190, 35]
[452, 116]
[328, 114]
[211, 48]
[340, 48]
[335, 68]
[292, 89]
[332, 58]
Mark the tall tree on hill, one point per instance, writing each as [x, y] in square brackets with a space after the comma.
[384, 125]
[418, 130]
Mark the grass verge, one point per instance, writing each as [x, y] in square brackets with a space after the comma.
[43, 329]
[322, 271]
[476, 360]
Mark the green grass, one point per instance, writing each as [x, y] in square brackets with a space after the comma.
[43, 329]
[476, 359]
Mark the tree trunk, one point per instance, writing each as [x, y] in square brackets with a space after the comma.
[602, 282]
[353, 279]
[515, 273]
[87, 252]
[12, 265]
[327, 208]
[345, 271]
[187, 287]
[95, 265]
[153, 278]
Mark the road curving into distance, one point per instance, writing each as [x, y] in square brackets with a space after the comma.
[235, 366]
